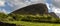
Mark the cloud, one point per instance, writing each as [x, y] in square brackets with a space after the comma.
[58, 14]
[48, 6]
[16, 4]
[55, 10]
[3, 11]
[55, 7]
[2, 3]
[56, 3]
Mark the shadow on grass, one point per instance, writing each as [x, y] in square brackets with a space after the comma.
[43, 22]
[8, 24]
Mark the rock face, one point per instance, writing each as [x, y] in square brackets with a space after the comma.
[32, 9]
[53, 14]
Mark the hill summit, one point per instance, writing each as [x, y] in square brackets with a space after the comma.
[32, 9]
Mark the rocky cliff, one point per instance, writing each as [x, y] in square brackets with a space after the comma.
[32, 9]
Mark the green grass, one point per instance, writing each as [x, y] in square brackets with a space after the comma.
[32, 23]
[9, 19]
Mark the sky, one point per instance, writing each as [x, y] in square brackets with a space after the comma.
[8, 6]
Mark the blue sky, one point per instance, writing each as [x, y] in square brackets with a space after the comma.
[7, 6]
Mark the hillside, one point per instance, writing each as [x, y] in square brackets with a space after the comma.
[53, 14]
[31, 12]
[32, 15]
[34, 20]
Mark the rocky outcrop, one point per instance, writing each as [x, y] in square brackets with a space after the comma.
[32, 9]
[53, 14]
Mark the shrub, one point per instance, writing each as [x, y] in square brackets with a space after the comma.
[34, 18]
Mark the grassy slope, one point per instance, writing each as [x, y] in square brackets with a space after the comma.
[32, 24]
[28, 23]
